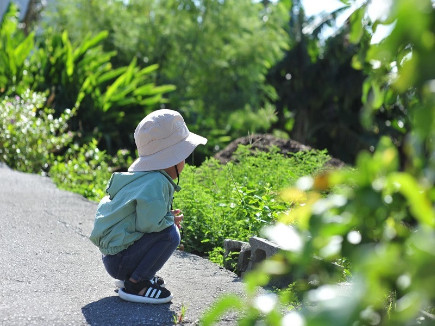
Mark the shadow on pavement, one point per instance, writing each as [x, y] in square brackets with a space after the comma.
[114, 311]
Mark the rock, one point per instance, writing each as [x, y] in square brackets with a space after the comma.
[241, 256]
[237, 255]
[260, 250]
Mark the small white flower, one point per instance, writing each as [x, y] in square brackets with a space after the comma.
[354, 237]
[266, 302]
[305, 183]
[293, 318]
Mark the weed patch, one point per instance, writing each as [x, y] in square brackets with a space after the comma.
[236, 200]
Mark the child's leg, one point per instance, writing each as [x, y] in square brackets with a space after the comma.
[157, 255]
[147, 255]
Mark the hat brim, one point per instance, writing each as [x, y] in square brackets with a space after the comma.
[170, 156]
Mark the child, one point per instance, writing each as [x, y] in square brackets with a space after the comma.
[135, 226]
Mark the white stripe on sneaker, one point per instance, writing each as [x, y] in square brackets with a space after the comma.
[148, 292]
[158, 294]
[154, 292]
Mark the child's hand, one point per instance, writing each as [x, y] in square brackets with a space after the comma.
[178, 217]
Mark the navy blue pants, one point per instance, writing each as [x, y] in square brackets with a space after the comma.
[144, 258]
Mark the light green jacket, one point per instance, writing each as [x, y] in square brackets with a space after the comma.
[137, 203]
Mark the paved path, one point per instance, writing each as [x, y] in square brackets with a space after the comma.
[51, 274]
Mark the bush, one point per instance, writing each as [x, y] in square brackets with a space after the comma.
[85, 169]
[380, 220]
[216, 53]
[29, 134]
[78, 75]
[380, 216]
[237, 199]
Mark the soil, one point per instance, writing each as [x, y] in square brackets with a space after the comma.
[263, 142]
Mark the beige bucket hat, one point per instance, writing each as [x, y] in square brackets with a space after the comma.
[163, 140]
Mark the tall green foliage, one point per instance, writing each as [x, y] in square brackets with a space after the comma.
[319, 94]
[79, 74]
[15, 48]
[216, 53]
[400, 81]
[378, 217]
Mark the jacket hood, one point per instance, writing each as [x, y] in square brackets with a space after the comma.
[119, 180]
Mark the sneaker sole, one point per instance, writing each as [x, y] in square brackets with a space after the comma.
[139, 299]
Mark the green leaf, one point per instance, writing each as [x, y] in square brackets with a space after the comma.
[148, 70]
[114, 87]
[162, 89]
[356, 62]
[85, 46]
[144, 89]
[9, 24]
[12, 61]
[111, 74]
[378, 95]
[126, 101]
[152, 100]
[365, 91]
[357, 28]
[220, 307]
[420, 204]
[123, 93]
[95, 61]
[69, 62]
[23, 50]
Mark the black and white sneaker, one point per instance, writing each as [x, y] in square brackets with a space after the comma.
[153, 293]
[158, 281]
[155, 280]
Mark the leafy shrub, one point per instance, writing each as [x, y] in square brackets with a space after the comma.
[237, 199]
[78, 75]
[29, 134]
[381, 220]
[216, 53]
[15, 48]
[85, 169]
[380, 216]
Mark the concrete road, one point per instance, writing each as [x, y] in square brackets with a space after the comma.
[51, 274]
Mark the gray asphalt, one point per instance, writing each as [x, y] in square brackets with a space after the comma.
[51, 274]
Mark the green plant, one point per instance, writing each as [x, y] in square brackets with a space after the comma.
[79, 75]
[379, 217]
[237, 199]
[217, 256]
[30, 135]
[178, 319]
[216, 53]
[319, 94]
[15, 48]
[85, 169]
